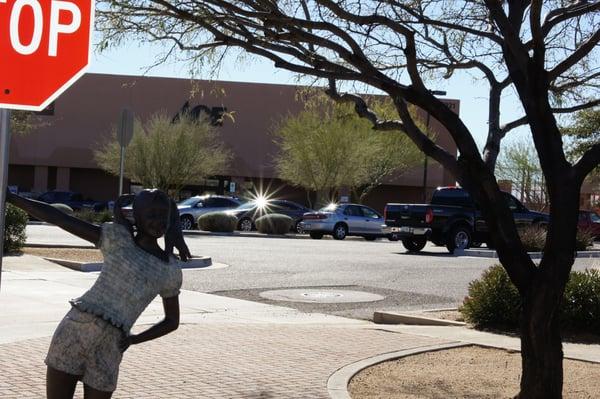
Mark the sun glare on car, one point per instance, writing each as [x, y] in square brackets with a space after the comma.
[261, 201]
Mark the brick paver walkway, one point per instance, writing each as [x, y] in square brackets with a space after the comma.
[220, 361]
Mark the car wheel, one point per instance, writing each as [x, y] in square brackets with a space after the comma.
[414, 244]
[299, 228]
[340, 231]
[459, 238]
[370, 238]
[187, 222]
[245, 225]
[315, 235]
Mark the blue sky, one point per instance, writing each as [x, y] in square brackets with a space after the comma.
[134, 59]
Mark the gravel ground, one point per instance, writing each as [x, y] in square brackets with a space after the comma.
[74, 254]
[469, 372]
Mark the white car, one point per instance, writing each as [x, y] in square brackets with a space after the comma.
[191, 208]
[341, 220]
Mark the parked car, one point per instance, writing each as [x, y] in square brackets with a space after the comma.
[74, 200]
[589, 221]
[452, 219]
[250, 211]
[341, 220]
[191, 208]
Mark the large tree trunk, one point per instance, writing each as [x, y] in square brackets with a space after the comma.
[541, 347]
[541, 344]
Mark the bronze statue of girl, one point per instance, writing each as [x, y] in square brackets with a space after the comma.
[89, 342]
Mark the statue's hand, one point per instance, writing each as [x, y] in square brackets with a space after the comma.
[174, 235]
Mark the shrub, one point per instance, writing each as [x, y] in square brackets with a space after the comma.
[581, 305]
[533, 238]
[94, 217]
[15, 222]
[219, 222]
[63, 208]
[584, 240]
[493, 300]
[274, 223]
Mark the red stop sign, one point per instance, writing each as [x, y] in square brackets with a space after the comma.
[45, 48]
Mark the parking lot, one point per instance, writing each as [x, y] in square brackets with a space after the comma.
[431, 279]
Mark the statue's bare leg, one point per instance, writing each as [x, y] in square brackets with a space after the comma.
[91, 393]
[60, 385]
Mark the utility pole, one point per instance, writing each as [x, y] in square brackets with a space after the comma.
[4, 153]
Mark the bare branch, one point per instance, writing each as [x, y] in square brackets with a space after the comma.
[582, 50]
[588, 162]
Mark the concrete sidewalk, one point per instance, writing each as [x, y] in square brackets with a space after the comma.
[225, 348]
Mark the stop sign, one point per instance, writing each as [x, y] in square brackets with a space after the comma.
[45, 48]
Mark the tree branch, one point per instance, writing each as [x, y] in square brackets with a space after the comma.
[588, 162]
[583, 50]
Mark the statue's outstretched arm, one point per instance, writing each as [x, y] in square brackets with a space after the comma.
[47, 213]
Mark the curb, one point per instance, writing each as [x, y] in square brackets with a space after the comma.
[200, 262]
[482, 253]
[404, 318]
[38, 245]
[260, 235]
[337, 384]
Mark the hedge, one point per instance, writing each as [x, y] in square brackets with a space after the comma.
[494, 302]
[219, 222]
[15, 223]
[274, 223]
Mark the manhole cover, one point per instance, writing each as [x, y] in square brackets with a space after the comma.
[320, 296]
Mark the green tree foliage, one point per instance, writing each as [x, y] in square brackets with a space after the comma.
[327, 146]
[518, 163]
[583, 134]
[167, 155]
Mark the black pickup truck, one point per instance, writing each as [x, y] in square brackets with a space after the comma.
[451, 219]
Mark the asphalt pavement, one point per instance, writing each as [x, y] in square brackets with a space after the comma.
[431, 279]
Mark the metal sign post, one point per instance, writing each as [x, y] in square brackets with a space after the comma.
[4, 145]
[124, 134]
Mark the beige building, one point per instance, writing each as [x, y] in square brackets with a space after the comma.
[58, 154]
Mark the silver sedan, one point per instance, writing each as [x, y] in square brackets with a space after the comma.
[341, 220]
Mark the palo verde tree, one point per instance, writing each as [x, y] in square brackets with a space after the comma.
[327, 146]
[167, 154]
[546, 51]
[582, 134]
[518, 163]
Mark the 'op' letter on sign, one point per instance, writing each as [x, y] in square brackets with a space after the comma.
[45, 47]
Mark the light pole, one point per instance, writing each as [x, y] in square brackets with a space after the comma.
[436, 93]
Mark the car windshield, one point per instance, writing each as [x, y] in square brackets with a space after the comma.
[190, 201]
[329, 208]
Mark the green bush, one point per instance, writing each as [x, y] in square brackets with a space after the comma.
[493, 300]
[584, 240]
[94, 217]
[219, 222]
[274, 223]
[533, 238]
[63, 208]
[15, 222]
[581, 305]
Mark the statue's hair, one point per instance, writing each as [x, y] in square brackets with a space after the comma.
[151, 195]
